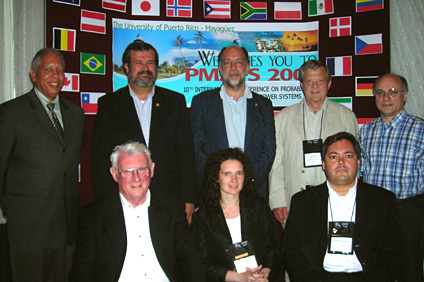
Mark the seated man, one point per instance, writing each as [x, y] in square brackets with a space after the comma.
[344, 229]
[136, 234]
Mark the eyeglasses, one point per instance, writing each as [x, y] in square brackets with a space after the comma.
[141, 172]
[392, 92]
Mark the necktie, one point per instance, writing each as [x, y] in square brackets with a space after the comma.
[55, 121]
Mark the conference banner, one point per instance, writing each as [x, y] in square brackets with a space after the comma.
[188, 54]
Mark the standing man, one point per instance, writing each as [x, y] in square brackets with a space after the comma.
[393, 158]
[300, 130]
[343, 230]
[41, 140]
[152, 115]
[233, 116]
[136, 234]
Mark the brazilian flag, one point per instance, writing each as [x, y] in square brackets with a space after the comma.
[93, 63]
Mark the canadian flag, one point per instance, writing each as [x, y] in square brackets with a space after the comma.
[145, 7]
[71, 83]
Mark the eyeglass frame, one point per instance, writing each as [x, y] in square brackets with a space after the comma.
[392, 92]
[132, 170]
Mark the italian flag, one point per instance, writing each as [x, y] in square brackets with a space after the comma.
[320, 7]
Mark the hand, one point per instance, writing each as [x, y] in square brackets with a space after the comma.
[280, 214]
[262, 275]
[189, 211]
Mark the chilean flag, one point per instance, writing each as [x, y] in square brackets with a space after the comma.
[89, 102]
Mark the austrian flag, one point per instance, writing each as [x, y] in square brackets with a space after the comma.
[93, 21]
[340, 26]
[178, 8]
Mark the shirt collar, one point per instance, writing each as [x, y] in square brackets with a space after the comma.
[350, 194]
[307, 109]
[126, 204]
[44, 100]
[149, 97]
[396, 120]
[247, 93]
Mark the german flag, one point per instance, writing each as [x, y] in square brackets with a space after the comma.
[64, 39]
[364, 85]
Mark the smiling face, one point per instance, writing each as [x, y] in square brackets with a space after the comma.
[341, 164]
[390, 107]
[142, 70]
[134, 189]
[315, 86]
[231, 177]
[50, 76]
[233, 67]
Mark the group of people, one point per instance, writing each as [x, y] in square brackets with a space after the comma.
[182, 197]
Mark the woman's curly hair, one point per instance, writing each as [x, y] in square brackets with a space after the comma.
[211, 189]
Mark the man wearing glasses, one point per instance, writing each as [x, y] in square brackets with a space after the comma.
[136, 234]
[393, 158]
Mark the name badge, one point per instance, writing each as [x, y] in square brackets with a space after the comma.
[340, 237]
[312, 153]
[244, 256]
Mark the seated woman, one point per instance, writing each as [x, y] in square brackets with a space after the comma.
[233, 223]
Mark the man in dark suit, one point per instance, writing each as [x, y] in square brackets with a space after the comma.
[41, 140]
[233, 116]
[136, 232]
[344, 229]
[150, 115]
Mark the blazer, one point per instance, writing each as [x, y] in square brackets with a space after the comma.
[377, 235]
[39, 173]
[171, 142]
[210, 135]
[287, 175]
[213, 238]
[102, 241]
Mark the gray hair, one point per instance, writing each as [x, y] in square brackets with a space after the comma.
[131, 149]
[36, 61]
[314, 65]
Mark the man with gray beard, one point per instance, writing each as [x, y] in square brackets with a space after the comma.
[151, 115]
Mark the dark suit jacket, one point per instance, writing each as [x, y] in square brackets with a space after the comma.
[213, 238]
[171, 142]
[210, 135]
[377, 235]
[102, 241]
[39, 174]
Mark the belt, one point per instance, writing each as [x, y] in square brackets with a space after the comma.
[410, 199]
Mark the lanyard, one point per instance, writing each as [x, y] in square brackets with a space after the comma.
[304, 125]
[331, 210]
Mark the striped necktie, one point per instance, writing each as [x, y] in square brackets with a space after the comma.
[55, 121]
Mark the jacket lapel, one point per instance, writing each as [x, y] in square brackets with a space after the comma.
[251, 120]
[216, 110]
[115, 226]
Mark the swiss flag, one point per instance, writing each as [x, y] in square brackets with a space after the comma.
[145, 7]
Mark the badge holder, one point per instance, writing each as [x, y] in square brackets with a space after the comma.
[243, 256]
[312, 153]
[340, 237]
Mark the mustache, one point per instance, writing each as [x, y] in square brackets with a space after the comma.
[145, 72]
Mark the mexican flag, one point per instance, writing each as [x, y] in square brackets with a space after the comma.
[320, 7]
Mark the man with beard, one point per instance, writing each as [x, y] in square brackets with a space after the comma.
[233, 116]
[151, 115]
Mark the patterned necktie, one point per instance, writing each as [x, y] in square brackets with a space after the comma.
[55, 121]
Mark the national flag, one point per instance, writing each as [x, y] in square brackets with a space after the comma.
[145, 7]
[93, 63]
[70, 2]
[115, 5]
[369, 5]
[340, 26]
[253, 11]
[64, 39]
[345, 101]
[320, 7]
[362, 121]
[93, 22]
[214, 9]
[288, 10]
[340, 66]
[369, 44]
[364, 85]
[71, 82]
[89, 102]
[179, 8]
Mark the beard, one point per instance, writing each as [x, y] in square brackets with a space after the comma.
[234, 83]
[140, 83]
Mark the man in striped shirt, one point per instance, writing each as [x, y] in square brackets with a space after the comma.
[393, 158]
